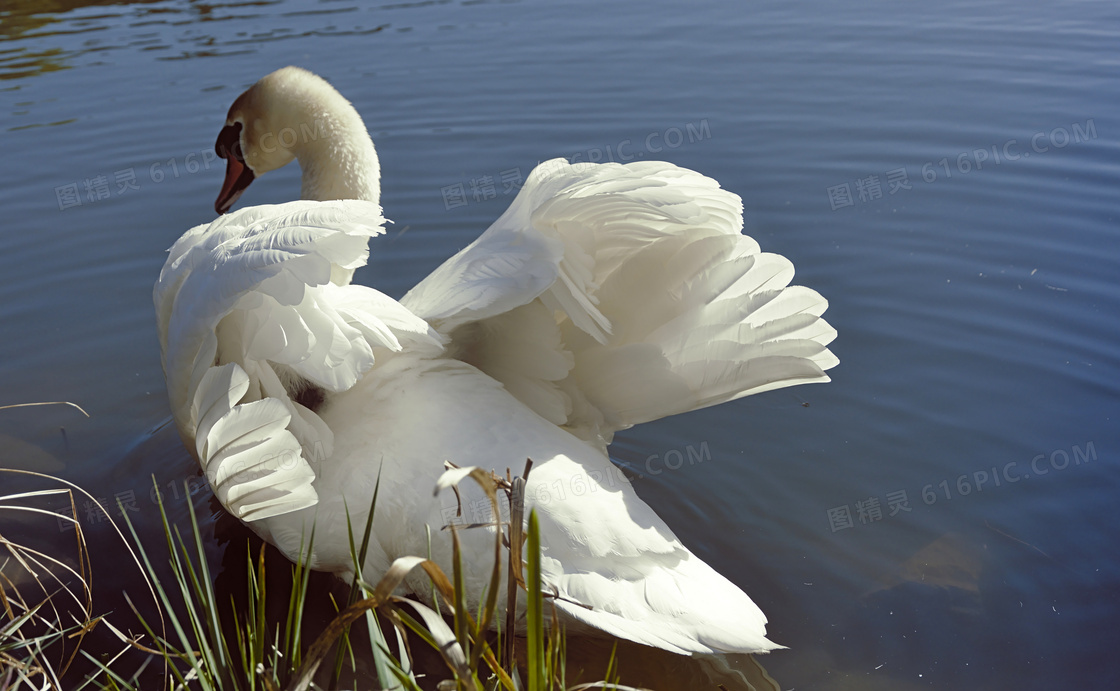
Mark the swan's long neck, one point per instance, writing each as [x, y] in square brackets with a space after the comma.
[335, 152]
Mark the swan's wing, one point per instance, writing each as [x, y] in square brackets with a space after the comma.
[615, 566]
[609, 295]
[250, 307]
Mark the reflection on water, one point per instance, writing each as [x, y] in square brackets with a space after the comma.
[33, 31]
[976, 304]
[26, 25]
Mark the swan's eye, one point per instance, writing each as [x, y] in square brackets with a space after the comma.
[229, 142]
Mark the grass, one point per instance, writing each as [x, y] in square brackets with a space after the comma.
[204, 642]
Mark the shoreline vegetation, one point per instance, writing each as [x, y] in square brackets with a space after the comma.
[193, 639]
[284, 627]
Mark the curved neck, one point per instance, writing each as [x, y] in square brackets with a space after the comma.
[336, 154]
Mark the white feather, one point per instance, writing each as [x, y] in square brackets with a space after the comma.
[605, 296]
[252, 292]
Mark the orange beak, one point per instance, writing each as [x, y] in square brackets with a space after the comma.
[238, 175]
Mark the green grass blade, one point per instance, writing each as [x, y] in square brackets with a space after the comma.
[184, 572]
[205, 590]
[388, 670]
[462, 633]
[535, 611]
[301, 578]
[261, 632]
[385, 675]
[187, 651]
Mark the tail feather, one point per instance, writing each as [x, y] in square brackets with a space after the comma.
[719, 617]
[699, 319]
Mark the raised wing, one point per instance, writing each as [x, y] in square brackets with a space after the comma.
[610, 295]
[515, 262]
[254, 307]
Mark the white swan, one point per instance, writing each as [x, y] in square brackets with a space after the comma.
[606, 296]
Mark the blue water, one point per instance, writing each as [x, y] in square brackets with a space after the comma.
[947, 176]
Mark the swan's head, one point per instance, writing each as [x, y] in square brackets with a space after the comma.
[250, 140]
[289, 114]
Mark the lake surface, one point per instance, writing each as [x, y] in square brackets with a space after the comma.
[942, 515]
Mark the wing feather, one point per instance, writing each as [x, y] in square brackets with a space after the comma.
[246, 305]
[658, 303]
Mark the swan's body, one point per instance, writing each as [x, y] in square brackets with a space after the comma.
[606, 296]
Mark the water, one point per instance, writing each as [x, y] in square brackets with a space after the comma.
[945, 175]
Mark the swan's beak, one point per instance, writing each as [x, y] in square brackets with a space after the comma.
[238, 175]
